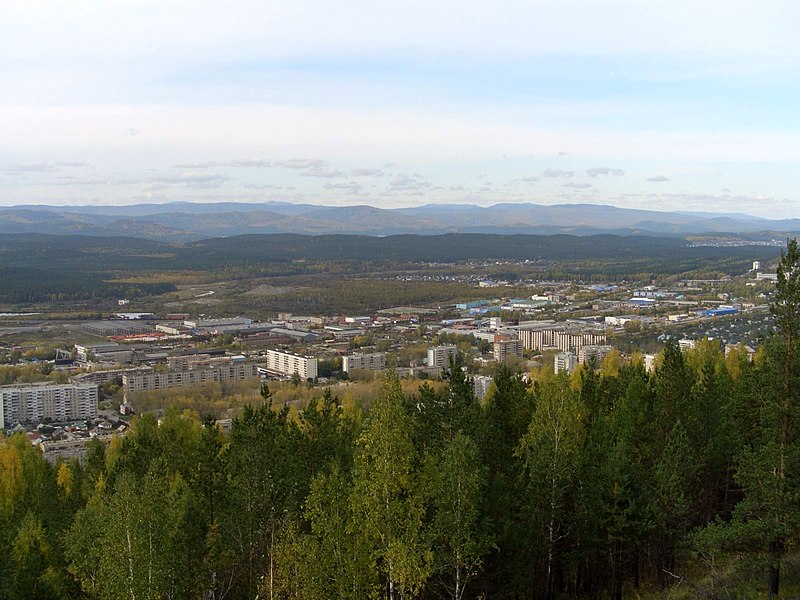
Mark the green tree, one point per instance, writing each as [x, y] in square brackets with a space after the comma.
[551, 450]
[766, 519]
[386, 499]
[459, 532]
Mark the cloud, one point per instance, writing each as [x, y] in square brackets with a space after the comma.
[249, 162]
[210, 164]
[348, 186]
[43, 167]
[131, 132]
[557, 173]
[408, 183]
[191, 179]
[456, 188]
[38, 167]
[528, 179]
[597, 172]
[301, 163]
[658, 178]
[324, 173]
[366, 173]
[577, 186]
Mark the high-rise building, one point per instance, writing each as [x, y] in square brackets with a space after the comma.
[286, 363]
[565, 361]
[375, 361]
[32, 402]
[594, 353]
[502, 348]
[439, 356]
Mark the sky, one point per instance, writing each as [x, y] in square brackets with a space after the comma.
[663, 105]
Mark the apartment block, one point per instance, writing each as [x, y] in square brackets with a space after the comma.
[588, 354]
[439, 356]
[287, 363]
[26, 403]
[559, 337]
[221, 372]
[375, 361]
[565, 361]
[503, 348]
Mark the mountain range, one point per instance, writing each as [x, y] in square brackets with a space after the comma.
[187, 221]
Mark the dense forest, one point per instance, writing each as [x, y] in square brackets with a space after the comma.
[604, 484]
[48, 269]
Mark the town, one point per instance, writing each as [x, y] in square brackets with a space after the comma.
[102, 371]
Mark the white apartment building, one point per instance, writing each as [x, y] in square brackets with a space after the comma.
[175, 378]
[25, 403]
[375, 361]
[559, 337]
[565, 361]
[286, 363]
[439, 356]
[481, 385]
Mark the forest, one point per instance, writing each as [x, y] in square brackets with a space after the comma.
[47, 270]
[611, 483]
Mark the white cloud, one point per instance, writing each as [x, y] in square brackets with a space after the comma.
[598, 171]
[301, 163]
[367, 173]
[658, 178]
[408, 183]
[557, 173]
[322, 173]
[348, 186]
[210, 164]
[191, 179]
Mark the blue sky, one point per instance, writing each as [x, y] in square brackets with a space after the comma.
[663, 105]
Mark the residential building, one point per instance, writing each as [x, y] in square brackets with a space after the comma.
[595, 353]
[481, 385]
[375, 361]
[565, 361]
[193, 374]
[32, 402]
[503, 347]
[559, 336]
[287, 363]
[439, 356]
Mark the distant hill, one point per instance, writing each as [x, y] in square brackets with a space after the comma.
[186, 221]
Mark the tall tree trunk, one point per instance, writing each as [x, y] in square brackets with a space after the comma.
[776, 553]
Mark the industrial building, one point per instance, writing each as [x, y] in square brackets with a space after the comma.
[115, 327]
[33, 402]
[287, 364]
